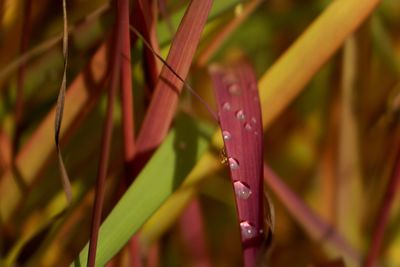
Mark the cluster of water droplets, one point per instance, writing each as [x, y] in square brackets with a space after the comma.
[242, 190]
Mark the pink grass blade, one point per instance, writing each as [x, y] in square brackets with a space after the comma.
[128, 128]
[382, 219]
[162, 107]
[145, 19]
[21, 77]
[192, 228]
[240, 121]
[107, 135]
[317, 228]
[126, 88]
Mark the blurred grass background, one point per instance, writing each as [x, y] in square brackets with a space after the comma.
[334, 145]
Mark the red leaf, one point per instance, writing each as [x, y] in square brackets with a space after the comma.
[240, 120]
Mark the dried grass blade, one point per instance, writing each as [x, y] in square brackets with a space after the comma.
[16, 180]
[60, 108]
[165, 98]
[240, 120]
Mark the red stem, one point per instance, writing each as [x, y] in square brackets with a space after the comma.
[127, 111]
[126, 87]
[192, 228]
[21, 76]
[383, 215]
[106, 138]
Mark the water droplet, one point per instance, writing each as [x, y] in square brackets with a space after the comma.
[241, 190]
[255, 133]
[226, 106]
[248, 230]
[229, 78]
[233, 164]
[234, 89]
[254, 120]
[240, 115]
[247, 126]
[226, 135]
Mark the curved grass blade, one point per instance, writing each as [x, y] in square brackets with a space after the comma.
[314, 225]
[60, 108]
[135, 207]
[240, 120]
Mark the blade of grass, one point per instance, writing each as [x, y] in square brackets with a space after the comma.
[312, 223]
[349, 183]
[192, 228]
[289, 75]
[162, 107]
[128, 127]
[60, 109]
[21, 77]
[126, 90]
[116, 60]
[135, 208]
[146, 14]
[382, 219]
[240, 120]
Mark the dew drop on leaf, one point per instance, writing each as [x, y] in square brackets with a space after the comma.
[248, 127]
[226, 106]
[248, 231]
[233, 164]
[226, 135]
[234, 89]
[240, 115]
[241, 190]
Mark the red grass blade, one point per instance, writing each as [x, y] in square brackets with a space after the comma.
[382, 219]
[192, 228]
[240, 120]
[312, 223]
[107, 134]
[145, 19]
[162, 107]
[21, 77]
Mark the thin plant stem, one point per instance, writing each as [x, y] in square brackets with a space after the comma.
[382, 219]
[21, 77]
[106, 140]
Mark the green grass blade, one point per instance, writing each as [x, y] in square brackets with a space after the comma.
[177, 156]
